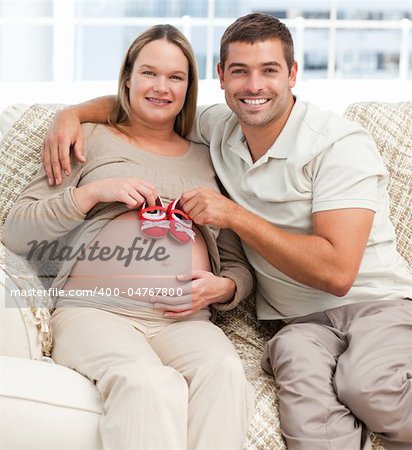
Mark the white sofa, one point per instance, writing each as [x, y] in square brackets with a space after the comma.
[46, 406]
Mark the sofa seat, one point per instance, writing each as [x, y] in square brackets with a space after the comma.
[47, 406]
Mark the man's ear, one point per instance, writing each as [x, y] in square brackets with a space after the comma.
[221, 78]
[293, 74]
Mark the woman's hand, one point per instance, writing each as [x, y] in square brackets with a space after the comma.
[133, 192]
[203, 289]
[64, 133]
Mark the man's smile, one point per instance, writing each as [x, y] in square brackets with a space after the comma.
[254, 101]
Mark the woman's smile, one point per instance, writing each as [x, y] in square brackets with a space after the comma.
[158, 101]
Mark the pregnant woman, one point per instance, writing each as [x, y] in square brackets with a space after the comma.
[168, 376]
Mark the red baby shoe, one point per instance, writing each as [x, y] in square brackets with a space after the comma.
[180, 223]
[153, 220]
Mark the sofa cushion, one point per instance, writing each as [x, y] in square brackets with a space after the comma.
[20, 151]
[24, 315]
[9, 116]
[390, 125]
[18, 331]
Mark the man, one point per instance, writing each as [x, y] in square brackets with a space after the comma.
[308, 199]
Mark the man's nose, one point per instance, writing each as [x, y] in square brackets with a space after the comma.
[254, 83]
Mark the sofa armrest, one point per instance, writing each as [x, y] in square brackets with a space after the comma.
[9, 116]
[47, 406]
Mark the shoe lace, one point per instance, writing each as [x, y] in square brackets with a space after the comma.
[145, 224]
[181, 226]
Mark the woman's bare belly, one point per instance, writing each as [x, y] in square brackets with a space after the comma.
[131, 260]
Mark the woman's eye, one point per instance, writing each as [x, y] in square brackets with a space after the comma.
[176, 77]
[148, 73]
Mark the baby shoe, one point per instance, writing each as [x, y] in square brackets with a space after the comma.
[180, 223]
[153, 220]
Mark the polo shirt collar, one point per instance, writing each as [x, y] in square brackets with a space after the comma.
[282, 147]
[238, 145]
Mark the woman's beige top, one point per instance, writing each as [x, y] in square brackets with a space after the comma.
[50, 213]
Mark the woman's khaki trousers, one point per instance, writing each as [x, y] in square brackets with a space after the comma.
[166, 384]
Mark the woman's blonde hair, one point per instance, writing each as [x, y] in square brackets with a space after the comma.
[121, 112]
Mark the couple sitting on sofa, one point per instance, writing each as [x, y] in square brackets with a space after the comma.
[308, 200]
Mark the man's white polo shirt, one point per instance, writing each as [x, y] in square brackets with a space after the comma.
[320, 161]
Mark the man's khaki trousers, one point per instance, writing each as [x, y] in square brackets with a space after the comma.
[166, 384]
[342, 371]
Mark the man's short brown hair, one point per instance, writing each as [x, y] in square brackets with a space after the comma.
[257, 27]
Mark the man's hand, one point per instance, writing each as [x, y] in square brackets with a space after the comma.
[203, 289]
[207, 207]
[65, 133]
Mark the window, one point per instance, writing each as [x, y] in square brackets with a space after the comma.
[84, 40]
[315, 54]
[26, 49]
[358, 57]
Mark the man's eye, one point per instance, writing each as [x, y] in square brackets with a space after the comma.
[271, 70]
[238, 71]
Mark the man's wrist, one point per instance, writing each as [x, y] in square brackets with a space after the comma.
[236, 217]
[75, 112]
